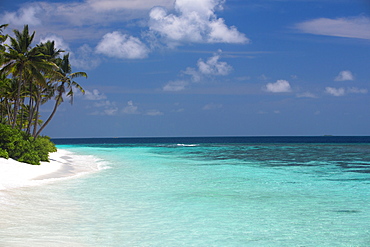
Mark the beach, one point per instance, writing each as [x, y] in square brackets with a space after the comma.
[35, 210]
[63, 164]
[14, 174]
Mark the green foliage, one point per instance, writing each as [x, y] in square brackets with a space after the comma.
[22, 147]
[29, 77]
[4, 154]
[43, 146]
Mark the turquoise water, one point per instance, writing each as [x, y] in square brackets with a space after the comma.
[201, 194]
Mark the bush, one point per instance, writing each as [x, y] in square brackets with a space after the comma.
[43, 146]
[24, 148]
[4, 154]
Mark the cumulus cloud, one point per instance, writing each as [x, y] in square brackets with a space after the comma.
[175, 86]
[154, 113]
[130, 108]
[25, 15]
[342, 91]
[214, 67]
[120, 45]
[105, 107]
[59, 42]
[193, 73]
[345, 75]
[83, 58]
[94, 95]
[280, 86]
[335, 91]
[350, 27]
[194, 21]
[211, 67]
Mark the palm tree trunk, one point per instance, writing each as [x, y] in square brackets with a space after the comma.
[31, 111]
[17, 102]
[37, 107]
[57, 102]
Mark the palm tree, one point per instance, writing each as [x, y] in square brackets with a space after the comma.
[66, 86]
[5, 92]
[42, 92]
[2, 37]
[25, 63]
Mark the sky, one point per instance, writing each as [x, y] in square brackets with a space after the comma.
[167, 68]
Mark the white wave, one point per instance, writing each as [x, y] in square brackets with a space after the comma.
[187, 145]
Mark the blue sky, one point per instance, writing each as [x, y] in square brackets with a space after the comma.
[208, 67]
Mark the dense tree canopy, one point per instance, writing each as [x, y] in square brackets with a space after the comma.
[30, 76]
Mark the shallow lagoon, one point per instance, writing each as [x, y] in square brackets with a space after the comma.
[198, 193]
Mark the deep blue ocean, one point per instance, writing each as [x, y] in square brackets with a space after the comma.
[200, 191]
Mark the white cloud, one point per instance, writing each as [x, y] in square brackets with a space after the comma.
[194, 73]
[357, 90]
[84, 58]
[341, 91]
[25, 15]
[130, 108]
[106, 5]
[350, 27]
[195, 21]
[306, 95]
[335, 91]
[59, 42]
[154, 113]
[120, 45]
[105, 107]
[345, 75]
[81, 13]
[280, 86]
[94, 95]
[175, 86]
[213, 67]
[111, 111]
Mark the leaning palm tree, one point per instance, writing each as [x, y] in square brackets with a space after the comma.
[25, 63]
[66, 86]
[42, 92]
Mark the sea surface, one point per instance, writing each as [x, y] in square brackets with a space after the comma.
[220, 191]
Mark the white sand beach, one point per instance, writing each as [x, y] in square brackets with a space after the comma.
[63, 164]
[15, 174]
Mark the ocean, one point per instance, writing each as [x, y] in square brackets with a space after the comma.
[199, 191]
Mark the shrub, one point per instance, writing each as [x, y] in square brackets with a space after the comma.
[43, 146]
[24, 148]
[4, 154]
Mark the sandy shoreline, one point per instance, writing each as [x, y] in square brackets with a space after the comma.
[14, 174]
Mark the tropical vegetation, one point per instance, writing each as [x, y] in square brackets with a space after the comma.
[30, 76]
